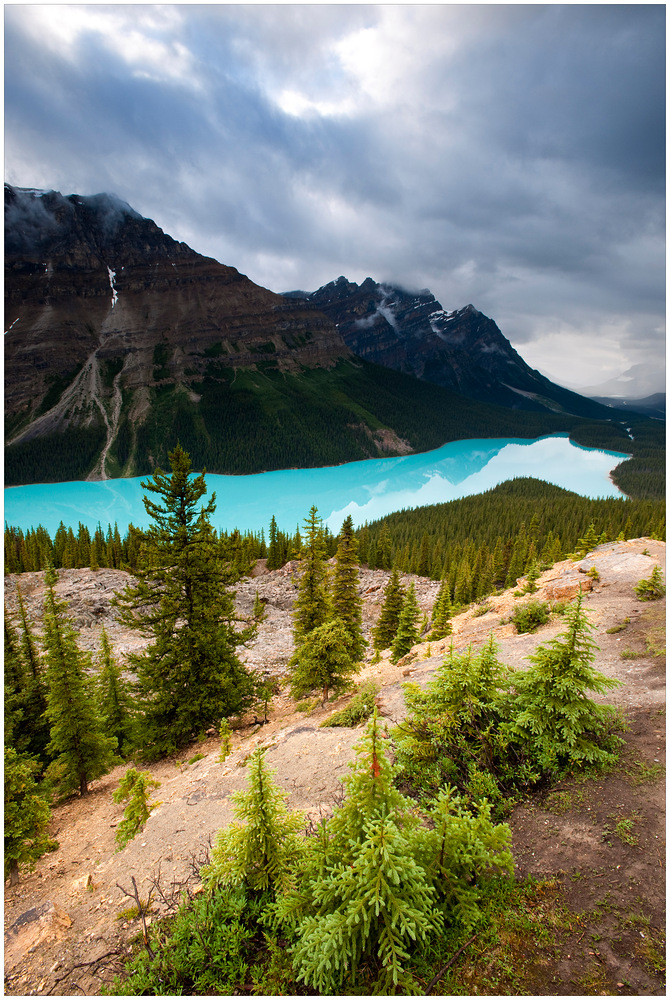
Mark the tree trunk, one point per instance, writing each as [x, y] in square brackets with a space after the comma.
[83, 785]
[325, 697]
[13, 872]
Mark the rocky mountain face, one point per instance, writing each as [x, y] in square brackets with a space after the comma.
[121, 341]
[101, 304]
[462, 350]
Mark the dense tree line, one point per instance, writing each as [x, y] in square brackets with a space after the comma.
[485, 542]
[34, 549]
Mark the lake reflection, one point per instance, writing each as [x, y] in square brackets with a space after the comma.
[366, 490]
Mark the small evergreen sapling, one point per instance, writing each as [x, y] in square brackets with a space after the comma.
[134, 788]
[263, 852]
[653, 588]
[551, 712]
[381, 883]
[325, 660]
[225, 736]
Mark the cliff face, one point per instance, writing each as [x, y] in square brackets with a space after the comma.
[462, 350]
[99, 301]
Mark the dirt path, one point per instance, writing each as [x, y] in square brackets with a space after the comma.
[575, 837]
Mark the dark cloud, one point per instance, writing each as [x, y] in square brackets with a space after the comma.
[509, 156]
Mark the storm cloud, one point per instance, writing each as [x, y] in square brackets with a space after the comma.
[508, 156]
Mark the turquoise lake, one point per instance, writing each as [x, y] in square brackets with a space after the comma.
[366, 490]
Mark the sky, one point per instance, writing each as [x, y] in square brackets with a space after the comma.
[508, 156]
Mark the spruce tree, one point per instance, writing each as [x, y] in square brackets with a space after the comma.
[325, 660]
[552, 713]
[27, 814]
[115, 699]
[312, 605]
[263, 851]
[384, 631]
[78, 746]
[384, 557]
[347, 603]
[408, 628]
[189, 676]
[34, 724]
[440, 621]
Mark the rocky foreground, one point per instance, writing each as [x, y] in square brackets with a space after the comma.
[65, 924]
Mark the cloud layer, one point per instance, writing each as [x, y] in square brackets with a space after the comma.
[508, 156]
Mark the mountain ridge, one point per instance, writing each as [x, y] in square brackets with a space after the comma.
[122, 341]
[462, 349]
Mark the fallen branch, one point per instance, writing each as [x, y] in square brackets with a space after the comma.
[449, 963]
[83, 965]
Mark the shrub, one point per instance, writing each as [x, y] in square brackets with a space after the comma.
[134, 788]
[358, 710]
[651, 589]
[529, 617]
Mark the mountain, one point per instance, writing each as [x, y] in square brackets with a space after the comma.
[636, 383]
[121, 341]
[650, 406]
[462, 350]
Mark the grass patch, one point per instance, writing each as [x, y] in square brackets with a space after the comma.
[358, 710]
[562, 801]
[642, 773]
[631, 654]
[618, 628]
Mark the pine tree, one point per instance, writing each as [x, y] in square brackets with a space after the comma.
[34, 735]
[15, 682]
[552, 712]
[408, 631]
[424, 560]
[27, 815]
[384, 557]
[325, 660]
[394, 596]
[79, 748]
[264, 852]
[115, 700]
[440, 622]
[189, 676]
[347, 603]
[312, 605]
